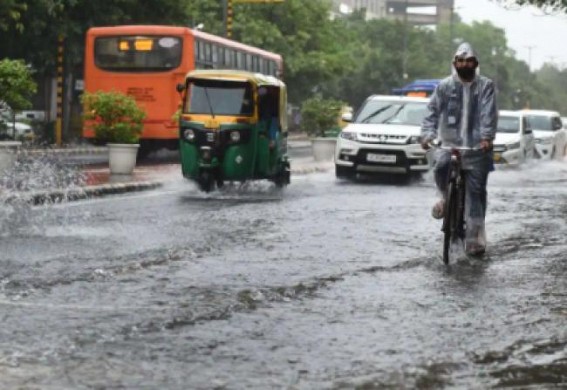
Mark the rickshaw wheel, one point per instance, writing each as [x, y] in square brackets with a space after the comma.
[206, 182]
[283, 177]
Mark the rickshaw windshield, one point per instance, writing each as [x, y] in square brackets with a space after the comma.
[219, 97]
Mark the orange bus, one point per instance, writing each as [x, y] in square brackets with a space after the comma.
[147, 62]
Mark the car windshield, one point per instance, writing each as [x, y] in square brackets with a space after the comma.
[508, 124]
[219, 98]
[539, 122]
[392, 112]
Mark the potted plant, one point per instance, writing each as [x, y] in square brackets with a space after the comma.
[117, 121]
[320, 119]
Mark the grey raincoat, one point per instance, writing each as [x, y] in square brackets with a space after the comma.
[461, 114]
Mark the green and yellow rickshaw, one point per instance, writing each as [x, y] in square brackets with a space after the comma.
[233, 127]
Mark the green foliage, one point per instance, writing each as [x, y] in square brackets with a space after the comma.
[553, 4]
[116, 117]
[16, 84]
[320, 116]
[10, 14]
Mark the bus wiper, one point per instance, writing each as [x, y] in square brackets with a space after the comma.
[209, 102]
[394, 114]
[378, 111]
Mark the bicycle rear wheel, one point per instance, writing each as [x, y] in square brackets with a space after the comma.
[449, 220]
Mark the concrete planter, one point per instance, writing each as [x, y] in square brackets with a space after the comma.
[122, 158]
[8, 154]
[323, 148]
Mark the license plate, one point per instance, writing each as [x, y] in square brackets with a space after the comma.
[381, 158]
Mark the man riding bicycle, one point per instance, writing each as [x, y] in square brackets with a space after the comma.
[463, 112]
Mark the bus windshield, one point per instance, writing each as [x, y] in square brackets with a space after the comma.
[128, 53]
[219, 98]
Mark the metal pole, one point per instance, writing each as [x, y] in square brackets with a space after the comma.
[58, 122]
[405, 50]
[530, 47]
[228, 16]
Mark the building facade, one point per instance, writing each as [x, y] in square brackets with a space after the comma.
[417, 12]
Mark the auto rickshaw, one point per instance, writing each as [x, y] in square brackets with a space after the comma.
[233, 127]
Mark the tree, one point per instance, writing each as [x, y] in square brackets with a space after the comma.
[16, 84]
[544, 4]
[11, 13]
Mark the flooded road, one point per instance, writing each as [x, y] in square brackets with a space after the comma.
[326, 285]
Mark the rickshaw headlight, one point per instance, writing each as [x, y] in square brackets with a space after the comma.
[189, 135]
[234, 136]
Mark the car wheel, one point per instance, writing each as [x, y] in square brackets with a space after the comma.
[344, 172]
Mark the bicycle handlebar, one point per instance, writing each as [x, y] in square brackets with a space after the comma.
[437, 144]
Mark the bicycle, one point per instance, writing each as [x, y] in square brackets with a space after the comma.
[454, 222]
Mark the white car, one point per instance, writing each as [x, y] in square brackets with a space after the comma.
[18, 130]
[549, 135]
[514, 141]
[383, 137]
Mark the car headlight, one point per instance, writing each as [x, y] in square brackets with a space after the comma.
[350, 135]
[414, 139]
[515, 145]
[189, 135]
[543, 141]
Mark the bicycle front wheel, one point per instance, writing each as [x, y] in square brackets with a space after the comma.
[449, 220]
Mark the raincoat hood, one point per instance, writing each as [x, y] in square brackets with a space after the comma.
[465, 50]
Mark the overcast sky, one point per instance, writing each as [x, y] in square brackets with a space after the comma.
[525, 27]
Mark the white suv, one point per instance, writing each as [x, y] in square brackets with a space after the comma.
[549, 135]
[383, 137]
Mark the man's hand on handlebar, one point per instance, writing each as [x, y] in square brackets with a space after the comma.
[426, 143]
[486, 145]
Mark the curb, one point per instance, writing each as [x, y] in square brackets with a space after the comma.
[67, 152]
[61, 195]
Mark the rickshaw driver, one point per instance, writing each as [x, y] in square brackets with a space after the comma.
[268, 112]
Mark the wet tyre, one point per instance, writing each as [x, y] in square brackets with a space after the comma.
[449, 220]
[206, 182]
[342, 172]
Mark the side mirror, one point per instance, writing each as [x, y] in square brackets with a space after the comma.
[347, 117]
[180, 87]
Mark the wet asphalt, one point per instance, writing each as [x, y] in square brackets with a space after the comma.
[325, 285]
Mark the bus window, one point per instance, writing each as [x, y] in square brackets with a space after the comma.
[229, 58]
[221, 55]
[255, 64]
[263, 67]
[239, 60]
[215, 58]
[272, 68]
[200, 51]
[137, 53]
[248, 64]
[207, 52]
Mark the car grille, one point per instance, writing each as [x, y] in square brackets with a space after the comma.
[382, 138]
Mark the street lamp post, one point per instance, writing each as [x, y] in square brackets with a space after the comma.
[405, 43]
[529, 47]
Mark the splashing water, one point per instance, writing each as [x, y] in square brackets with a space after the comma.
[28, 176]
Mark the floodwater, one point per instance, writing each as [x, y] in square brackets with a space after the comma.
[324, 285]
